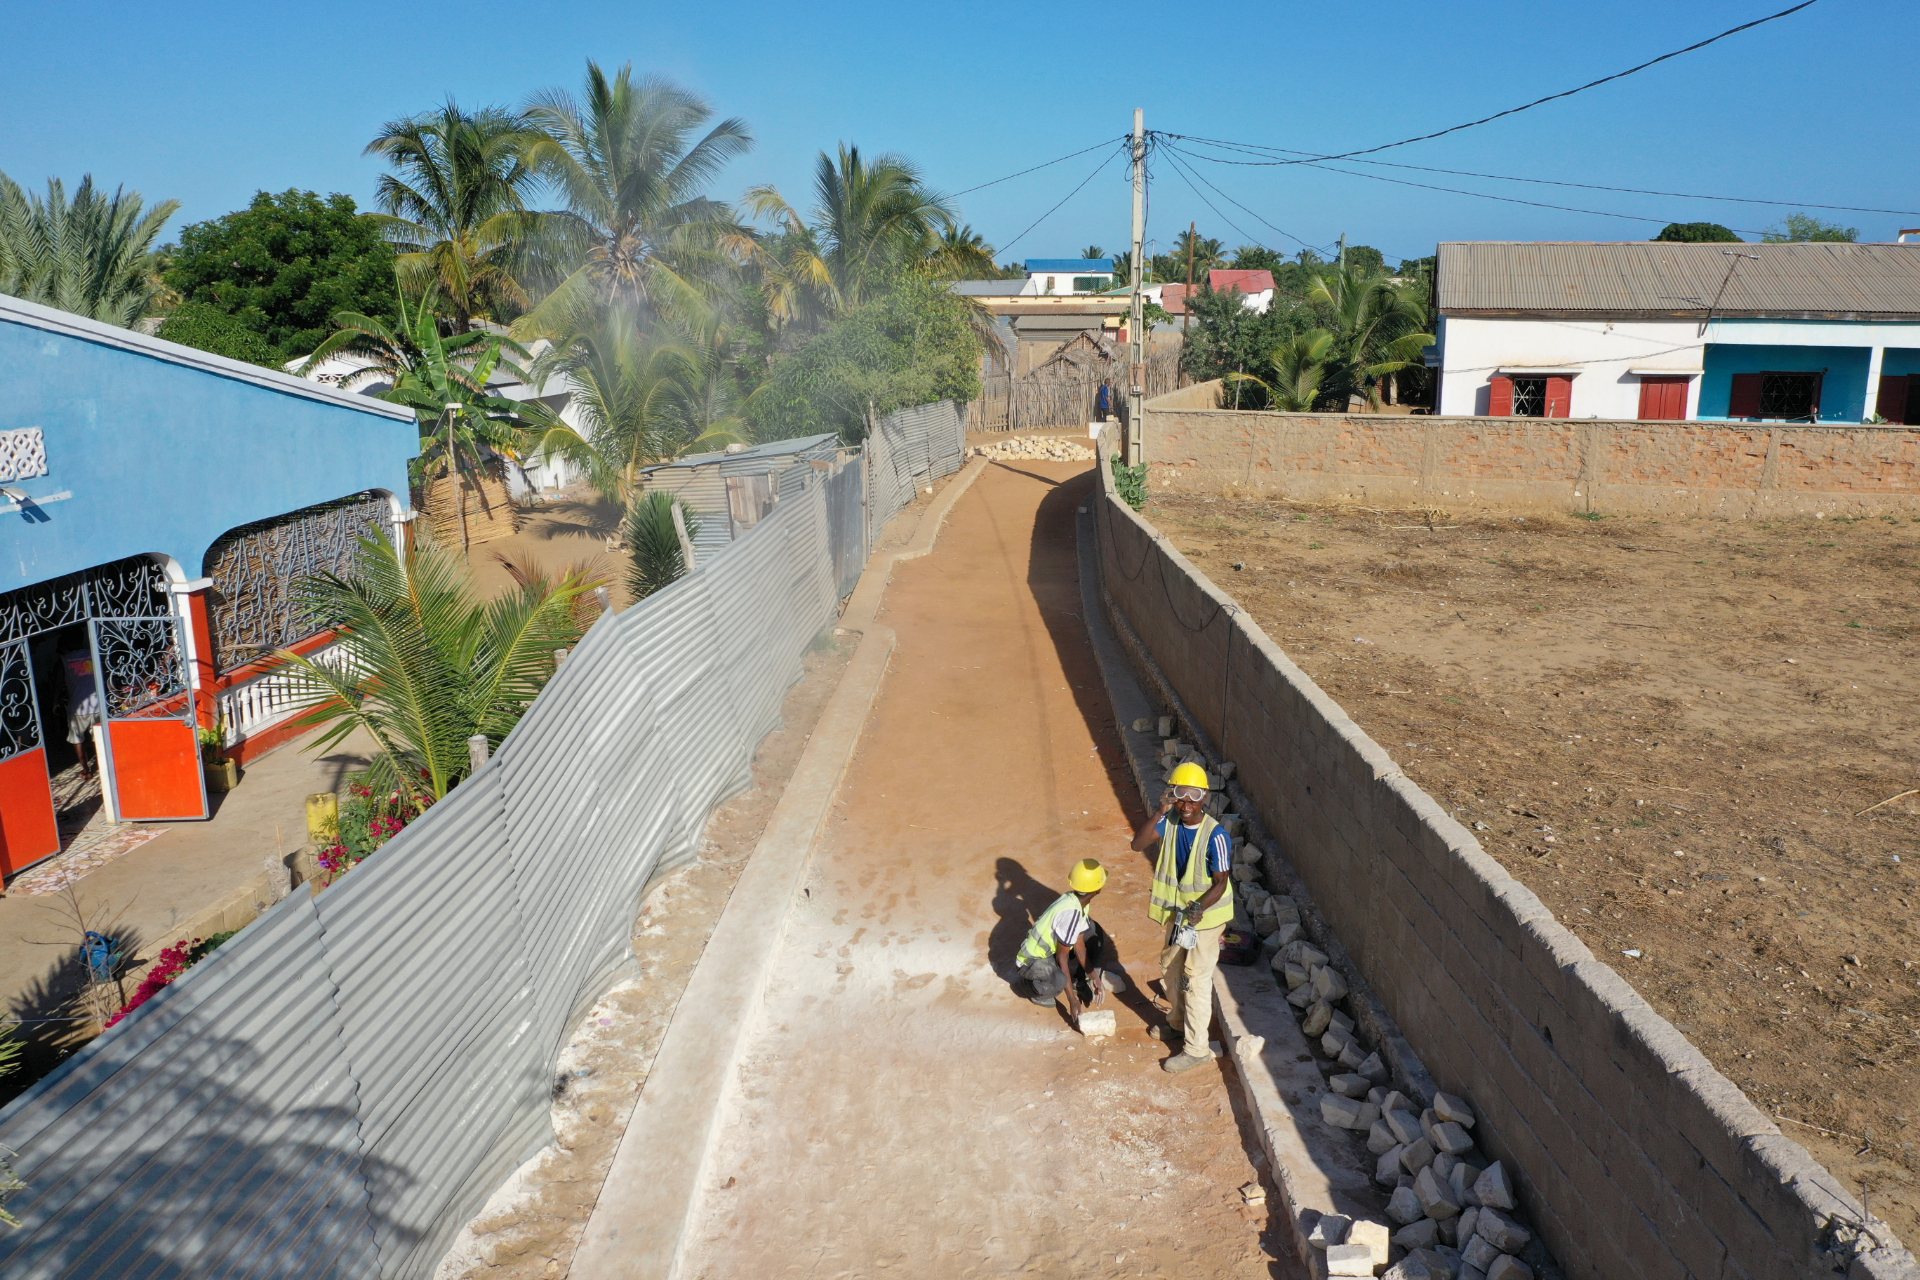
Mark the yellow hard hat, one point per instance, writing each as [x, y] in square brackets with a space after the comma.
[1087, 876]
[1189, 775]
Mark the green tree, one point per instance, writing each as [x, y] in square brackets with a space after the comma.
[281, 268]
[1366, 259]
[1250, 257]
[455, 207]
[1376, 326]
[1226, 337]
[1171, 268]
[633, 167]
[92, 255]
[425, 664]
[1696, 233]
[1800, 227]
[207, 327]
[1299, 367]
[659, 559]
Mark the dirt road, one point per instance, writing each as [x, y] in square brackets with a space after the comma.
[1668, 731]
[903, 1105]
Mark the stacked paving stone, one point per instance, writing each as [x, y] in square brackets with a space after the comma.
[1453, 1214]
[1033, 448]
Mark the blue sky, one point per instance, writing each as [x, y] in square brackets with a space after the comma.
[208, 102]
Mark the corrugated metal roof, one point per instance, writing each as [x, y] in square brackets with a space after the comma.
[772, 449]
[1245, 281]
[1809, 280]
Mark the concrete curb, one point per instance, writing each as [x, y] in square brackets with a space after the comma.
[656, 1184]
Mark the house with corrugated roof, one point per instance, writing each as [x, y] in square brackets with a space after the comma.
[1254, 287]
[1808, 332]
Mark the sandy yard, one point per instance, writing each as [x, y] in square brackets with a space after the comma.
[1668, 730]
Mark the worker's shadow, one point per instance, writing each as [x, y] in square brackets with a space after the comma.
[1018, 900]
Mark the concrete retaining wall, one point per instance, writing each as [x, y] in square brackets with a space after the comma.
[1634, 1156]
[1732, 469]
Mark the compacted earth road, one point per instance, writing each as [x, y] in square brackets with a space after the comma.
[903, 1107]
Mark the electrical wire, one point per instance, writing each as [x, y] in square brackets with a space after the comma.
[1104, 162]
[1250, 148]
[1565, 93]
[1173, 151]
[1024, 172]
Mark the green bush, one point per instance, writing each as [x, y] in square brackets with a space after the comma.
[202, 325]
[1131, 482]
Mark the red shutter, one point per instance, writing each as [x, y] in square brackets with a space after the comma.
[1744, 400]
[1819, 381]
[1663, 399]
[1894, 398]
[1500, 397]
[1559, 397]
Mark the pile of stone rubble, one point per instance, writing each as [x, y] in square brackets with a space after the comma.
[1033, 448]
[1452, 1212]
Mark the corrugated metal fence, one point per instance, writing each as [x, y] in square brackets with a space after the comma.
[907, 449]
[338, 1089]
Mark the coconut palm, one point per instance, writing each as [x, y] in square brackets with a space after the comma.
[455, 206]
[632, 164]
[870, 219]
[659, 554]
[422, 665]
[92, 255]
[1376, 326]
[961, 253]
[443, 378]
[1300, 367]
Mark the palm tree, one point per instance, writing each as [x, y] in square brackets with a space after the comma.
[443, 379]
[92, 255]
[870, 218]
[1299, 368]
[961, 253]
[659, 555]
[456, 206]
[423, 665]
[1377, 327]
[638, 229]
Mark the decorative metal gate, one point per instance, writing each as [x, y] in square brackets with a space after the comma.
[29, 827]
[153, 755]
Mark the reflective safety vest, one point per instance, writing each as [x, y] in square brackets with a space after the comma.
[1171, 890]
[1041, 939]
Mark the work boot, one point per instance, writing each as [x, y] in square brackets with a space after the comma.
[1184, 1062]
[1168, 1036]
[1045, 1002]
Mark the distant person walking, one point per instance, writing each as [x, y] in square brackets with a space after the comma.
[1103, 402]
[1065, 944]
[1193, 897]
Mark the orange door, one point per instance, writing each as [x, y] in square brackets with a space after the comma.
[153, 753]
[29, 830]
[1663, 399]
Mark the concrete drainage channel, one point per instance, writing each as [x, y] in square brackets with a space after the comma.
[1377, 1166]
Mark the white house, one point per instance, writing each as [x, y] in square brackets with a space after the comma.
[1054, 276]
[1254, 287]
[1816, 332]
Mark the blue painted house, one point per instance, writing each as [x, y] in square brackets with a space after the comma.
[1811, 332]
[156, 505]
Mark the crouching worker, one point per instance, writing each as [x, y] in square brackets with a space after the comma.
[1065, 946]
[1193, 898]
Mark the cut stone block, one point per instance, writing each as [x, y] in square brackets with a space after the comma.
[1328, 983]
[1352, 1054]
[1409, 1268]
[1306, 955]
[1372, 1068]
[1444, 1262]
[1479, 1252]
[1289, 931]
[1460, 1180]
[1243, 873]
[1228, 768]
[1450, 1235]
[1448, 1107]
[1433, 1195]
[1143, 724]
[1416, 1156]
[1169, 746]
[1347, 1113]
[1319, 1018]
[1502, 1232]
[1376, 1095]
[1352, 1086]
[1421, 1233]
[1098, 1022]
[1165, 726]
[1380, 1139]
[1492, 1188]
[1374, 1235]
[1334, 1040]
[1387, 1170]
[1451, 1138]
[1404, 1206]
[1465, 1222]
[1471, 1273]
[1296, 976]
[1506, 1267]
[1405, 1127]
[1342, 1021]
[1397, 1101]
[1330, 1230]
[1301, 996]
[1349, 1260]
[1427, 1121]
[1443, 1166]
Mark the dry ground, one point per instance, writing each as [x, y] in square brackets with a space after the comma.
[1667, 730]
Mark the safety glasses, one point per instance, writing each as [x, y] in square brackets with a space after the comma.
[1189, 793]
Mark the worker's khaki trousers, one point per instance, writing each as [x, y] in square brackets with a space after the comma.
[1188, 977]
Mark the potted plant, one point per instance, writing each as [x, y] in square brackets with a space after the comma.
[223, 773]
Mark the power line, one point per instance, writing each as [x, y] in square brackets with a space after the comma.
[1177, 151]
[1250, 148]
[1104, 162]
[1024, 172]
[1565, 93]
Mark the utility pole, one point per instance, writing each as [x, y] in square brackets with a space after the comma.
[1186, 302]
[1137, 327]
[1341, 261]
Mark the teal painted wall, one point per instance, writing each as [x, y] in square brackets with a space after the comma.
[1843, 393]
[163, 458]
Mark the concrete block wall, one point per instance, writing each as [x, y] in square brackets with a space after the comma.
[1634, 1156]
[1732, 469]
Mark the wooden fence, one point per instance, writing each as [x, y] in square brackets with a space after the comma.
[1061, 395]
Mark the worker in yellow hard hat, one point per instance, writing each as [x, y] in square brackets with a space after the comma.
[1193, 898]
[1065, 945]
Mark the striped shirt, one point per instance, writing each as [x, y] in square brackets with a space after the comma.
[1219, 849]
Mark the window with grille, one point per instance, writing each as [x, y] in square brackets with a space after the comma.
[1789, 395]
[1529, 397]
[255, 605]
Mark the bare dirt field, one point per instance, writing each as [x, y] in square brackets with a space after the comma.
[1668, 730]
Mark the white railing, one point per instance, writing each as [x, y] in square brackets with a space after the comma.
[265, 700]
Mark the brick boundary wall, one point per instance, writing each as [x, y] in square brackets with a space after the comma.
[1632, 1154]
[1729, 469]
